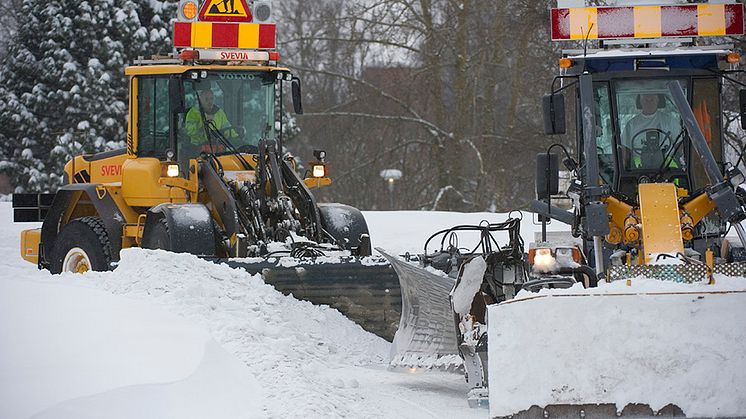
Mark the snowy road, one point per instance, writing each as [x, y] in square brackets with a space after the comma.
[65, 337]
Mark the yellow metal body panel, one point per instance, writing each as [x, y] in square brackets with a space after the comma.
[30, 245]
[659, 212]
[317, 182]
[231, 162]
[141, 185]
[107, 170]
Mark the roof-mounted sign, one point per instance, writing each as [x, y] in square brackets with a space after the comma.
[224, 35]
[235, 11]
[647, 21]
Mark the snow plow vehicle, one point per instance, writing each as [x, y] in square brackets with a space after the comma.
[204, 172]
[630, 307]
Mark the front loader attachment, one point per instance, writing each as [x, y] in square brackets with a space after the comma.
[365, 289]
[650, 348]
[426, 337]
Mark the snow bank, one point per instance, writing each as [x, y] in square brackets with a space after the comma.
[649, 342]
[311, 361]
[73, 352]
[287, 344]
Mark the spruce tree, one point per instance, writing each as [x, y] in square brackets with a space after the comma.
[62, 89]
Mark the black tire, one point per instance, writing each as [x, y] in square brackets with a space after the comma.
[158, 236]
[88, 235]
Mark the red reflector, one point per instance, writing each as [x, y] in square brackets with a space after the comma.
[189, 54]
[274, 56]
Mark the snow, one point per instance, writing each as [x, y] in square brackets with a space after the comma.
[671, 343]
[70, 351]
[94, 345]
[169, 335]
[471, 281]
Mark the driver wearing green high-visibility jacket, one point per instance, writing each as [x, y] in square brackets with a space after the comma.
[650, 135]
[214, 115]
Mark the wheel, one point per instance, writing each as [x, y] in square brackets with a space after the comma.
[158, 236]
[81, 246]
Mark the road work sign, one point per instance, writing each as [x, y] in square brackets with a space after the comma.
[225, 11]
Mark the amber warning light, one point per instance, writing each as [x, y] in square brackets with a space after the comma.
[188, 10]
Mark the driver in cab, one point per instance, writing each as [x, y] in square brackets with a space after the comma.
[649, 135]
[214, 116]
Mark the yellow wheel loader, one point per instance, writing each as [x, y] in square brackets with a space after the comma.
[204, 172]
[653, 198]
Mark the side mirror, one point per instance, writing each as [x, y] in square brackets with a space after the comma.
[297, 103]
[547, 175]
[176, 95]
[742, 107]
[554, 114]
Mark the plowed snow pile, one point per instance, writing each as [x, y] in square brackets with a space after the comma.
[287, 343]
[649, 342]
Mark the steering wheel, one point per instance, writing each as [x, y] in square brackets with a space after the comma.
[645, 148]
[642, 148]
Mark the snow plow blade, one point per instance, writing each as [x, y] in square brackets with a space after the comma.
[638, 351]
[426, 337]
[365, 289]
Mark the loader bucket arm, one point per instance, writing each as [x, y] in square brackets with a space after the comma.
[719, 191]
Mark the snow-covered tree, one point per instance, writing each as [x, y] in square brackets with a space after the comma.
[62, 89]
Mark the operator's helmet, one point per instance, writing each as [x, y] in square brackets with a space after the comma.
[204, 87]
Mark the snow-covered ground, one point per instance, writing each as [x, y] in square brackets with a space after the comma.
[173, 336]
[643, 341]
[169, 335]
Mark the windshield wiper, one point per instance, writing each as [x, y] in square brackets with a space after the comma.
[211, 128]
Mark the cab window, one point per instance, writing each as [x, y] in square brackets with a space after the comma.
[224, 109]
[706, 108]
[604, 133]
[153, 128]
[652, 132]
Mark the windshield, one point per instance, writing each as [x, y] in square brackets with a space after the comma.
[239, 106]
[652, 133]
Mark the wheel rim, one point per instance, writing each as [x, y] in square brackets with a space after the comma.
[76, 261]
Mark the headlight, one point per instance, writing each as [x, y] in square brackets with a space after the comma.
[172, 170]
[319, 170]
[567, 257]
[543, 260]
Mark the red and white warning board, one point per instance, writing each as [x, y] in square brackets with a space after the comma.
[647, 21]
[225, 11]
[224, 35]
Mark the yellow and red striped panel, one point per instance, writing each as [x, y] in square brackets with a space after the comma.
[647, 21]
[224, 35]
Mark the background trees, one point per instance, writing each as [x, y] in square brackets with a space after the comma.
[446, 91]
[62, 89]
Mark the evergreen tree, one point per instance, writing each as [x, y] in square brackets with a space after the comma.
[63, 90]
